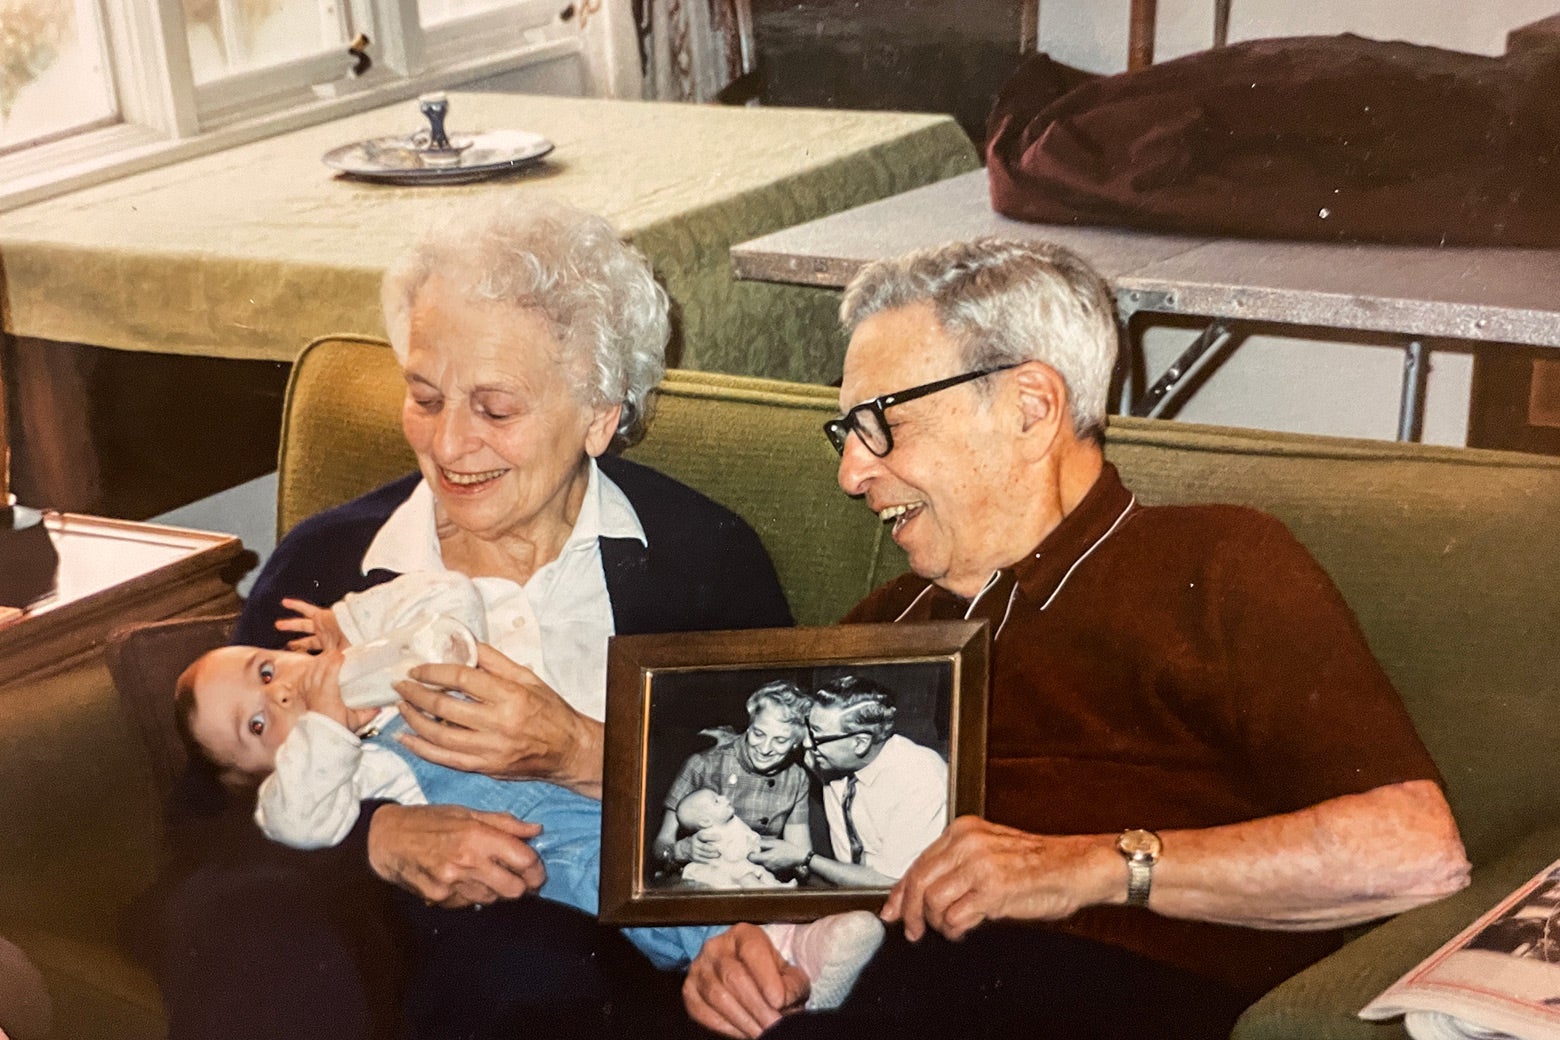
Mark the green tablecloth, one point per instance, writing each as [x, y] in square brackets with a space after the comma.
[251, 252]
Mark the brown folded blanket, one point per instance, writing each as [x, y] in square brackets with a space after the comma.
[1331, 138]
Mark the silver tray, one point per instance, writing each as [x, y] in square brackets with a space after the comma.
[408, 160]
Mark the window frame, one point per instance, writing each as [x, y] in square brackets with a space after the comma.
[165, 116]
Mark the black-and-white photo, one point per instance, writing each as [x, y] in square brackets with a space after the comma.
[816, 776]
[823, 776]
[1530, 928]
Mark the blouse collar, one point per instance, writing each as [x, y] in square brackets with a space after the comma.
[409, 540]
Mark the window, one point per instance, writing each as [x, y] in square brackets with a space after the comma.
[54, 73]
[93, 88]
[226, 37]
[441, 12]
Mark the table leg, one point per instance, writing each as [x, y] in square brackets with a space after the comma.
[1416, 376]
[1202, 350]
[1140, 35]
[54, 462]
[5, 444]
[1128, 377]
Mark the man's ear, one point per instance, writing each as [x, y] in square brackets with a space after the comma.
[1042, 396]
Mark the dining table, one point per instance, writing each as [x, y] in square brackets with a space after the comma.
[249, 253]
[252, 252]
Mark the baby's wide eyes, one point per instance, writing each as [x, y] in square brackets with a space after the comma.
[267, 672]
[256, 724]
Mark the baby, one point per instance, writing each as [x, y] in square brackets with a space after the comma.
[276, 719]
[711, 816]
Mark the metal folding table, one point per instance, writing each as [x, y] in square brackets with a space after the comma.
[1418, 294]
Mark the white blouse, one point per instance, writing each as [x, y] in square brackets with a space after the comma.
[565, 600]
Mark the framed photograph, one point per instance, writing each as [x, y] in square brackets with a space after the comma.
[784, 774]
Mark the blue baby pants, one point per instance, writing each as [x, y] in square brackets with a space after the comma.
[569, 845]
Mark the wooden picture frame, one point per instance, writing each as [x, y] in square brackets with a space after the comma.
[672, 698]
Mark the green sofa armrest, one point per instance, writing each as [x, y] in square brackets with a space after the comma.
[1322, 1002]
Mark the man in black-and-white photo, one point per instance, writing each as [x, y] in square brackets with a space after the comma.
[885, 796]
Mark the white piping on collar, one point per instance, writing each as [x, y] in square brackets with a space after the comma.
[1089, 552]
[911, 606]
[1013, 595]
[1006, 609]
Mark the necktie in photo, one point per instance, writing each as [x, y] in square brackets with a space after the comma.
[850, 825]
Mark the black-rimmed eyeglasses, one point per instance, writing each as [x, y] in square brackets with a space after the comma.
[812, 740]
[871, 425]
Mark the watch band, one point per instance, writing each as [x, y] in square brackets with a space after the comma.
[1140, 880]
[1141, 850]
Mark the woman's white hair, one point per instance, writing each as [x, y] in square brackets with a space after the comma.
[1006, 302]
[598, 295]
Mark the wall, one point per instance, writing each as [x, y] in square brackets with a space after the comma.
[915, 55]
[1282, 383]
[1319, 386]
[1092, 34]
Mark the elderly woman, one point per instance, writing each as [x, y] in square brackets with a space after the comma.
[530, 340]
[756, 769]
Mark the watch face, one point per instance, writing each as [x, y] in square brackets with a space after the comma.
[1139, 844]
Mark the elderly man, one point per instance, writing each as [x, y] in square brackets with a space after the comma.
[1196, 773]
[885, 796]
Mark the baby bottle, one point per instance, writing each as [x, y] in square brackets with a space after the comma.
[369, 671]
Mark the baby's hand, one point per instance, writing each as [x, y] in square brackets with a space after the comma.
[701, 846]
[778, 854]
[321, 687]
[318, 625]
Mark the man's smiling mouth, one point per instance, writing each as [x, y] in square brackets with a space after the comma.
[899, 515]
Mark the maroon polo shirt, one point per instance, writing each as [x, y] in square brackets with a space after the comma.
[1176, 667]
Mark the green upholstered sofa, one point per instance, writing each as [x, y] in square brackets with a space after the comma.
[1448, 556]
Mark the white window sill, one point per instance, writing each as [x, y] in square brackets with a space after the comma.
[34, 174]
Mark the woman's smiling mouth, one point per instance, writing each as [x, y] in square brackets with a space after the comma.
[469, 480]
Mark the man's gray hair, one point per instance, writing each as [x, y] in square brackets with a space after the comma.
[1005, 302]
[598, 295]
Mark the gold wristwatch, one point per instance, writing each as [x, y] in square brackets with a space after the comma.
[1141, 850]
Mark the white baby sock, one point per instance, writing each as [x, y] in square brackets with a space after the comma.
[831, 951]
